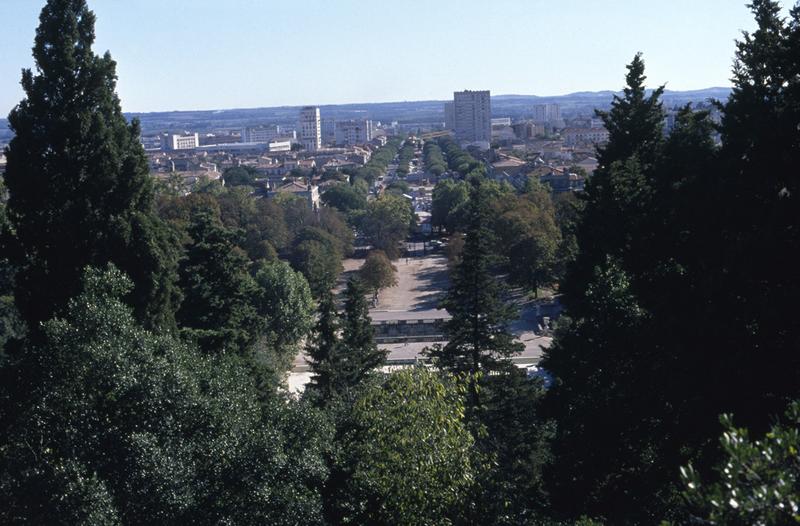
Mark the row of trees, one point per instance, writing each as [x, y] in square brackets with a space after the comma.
[405, 156]
[434, 159]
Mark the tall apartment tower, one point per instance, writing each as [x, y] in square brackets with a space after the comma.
[449, 116]
[545, 113]
[473, 117]
[310, 129]
[354, 131]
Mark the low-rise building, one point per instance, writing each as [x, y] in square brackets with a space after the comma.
[578, 136]
[181, 142]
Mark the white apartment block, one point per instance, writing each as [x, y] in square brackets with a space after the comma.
[544, 113]
[260, 134]
[309, 128]
[353, 132]
[181, 142]
[473, 117]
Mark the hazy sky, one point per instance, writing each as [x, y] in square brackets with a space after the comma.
[210, 54]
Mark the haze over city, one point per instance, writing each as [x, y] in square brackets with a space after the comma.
[245, 53]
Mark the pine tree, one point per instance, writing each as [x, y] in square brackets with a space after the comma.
[602, 357]
[478, 336]
[343, 352]
[323, 351]
[360, 354]
[80, 193]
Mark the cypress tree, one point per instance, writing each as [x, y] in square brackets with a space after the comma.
[80, 193]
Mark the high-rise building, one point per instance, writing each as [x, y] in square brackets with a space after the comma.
[449, 116]
[352, 132]
[310, 129]
[546, 113]
[473, 117]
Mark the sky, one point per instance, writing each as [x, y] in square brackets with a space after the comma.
[220, 54]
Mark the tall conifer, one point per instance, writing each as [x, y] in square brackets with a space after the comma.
[80, 193]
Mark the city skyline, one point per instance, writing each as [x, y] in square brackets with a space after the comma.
[246, 56]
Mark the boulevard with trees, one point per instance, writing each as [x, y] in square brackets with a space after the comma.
[147, 331]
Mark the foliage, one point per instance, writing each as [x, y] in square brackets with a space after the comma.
[78, 180]
[387, 223]
[448, 204]
[758, 481]
[377, 272]
[120, 426]
[478, 335]
[319, 264]
[342, 350]
[527, 234]
[285, 308]
[217, 311]
[514, 441]
[324, 353]
[345, 198]
[398, 187]
[434, 160]
[683, 281]
[239, 176]
[359, 352]
[409, 454]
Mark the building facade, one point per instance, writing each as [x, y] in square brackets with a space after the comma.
[352, 132]
[181, 142]
[584, 136]
[473, 117]
[544, 113]
[262, 134]
[310, 129]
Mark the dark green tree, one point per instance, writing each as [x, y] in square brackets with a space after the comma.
[323, 351]
[240, 176]
[360, 354]
[80, 193]
[218, 308]
[124, 426]
[345, 198]
[447, 206]
[479, 340]
[377, 272]
[602, 356]
[319, 263]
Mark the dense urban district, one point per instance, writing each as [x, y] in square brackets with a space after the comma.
[553, 316]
